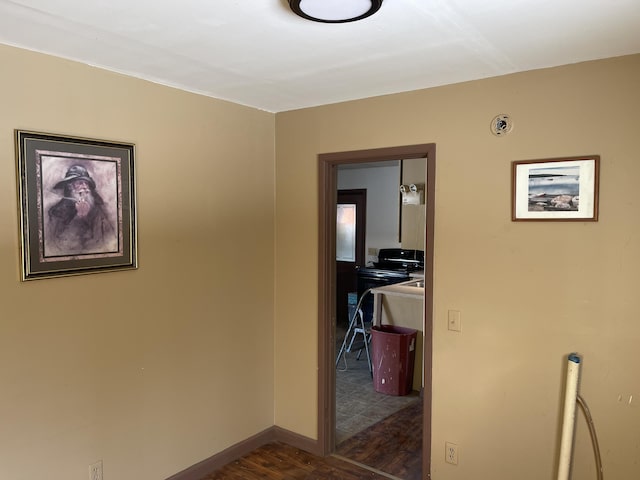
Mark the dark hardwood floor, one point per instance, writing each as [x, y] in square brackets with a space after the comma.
[277, 461]
[393, 446]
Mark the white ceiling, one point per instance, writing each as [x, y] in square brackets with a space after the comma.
[258, 53]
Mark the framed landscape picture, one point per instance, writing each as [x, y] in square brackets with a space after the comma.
[77, 205]
[564, 189]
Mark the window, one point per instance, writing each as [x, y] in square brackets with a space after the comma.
[346, 233]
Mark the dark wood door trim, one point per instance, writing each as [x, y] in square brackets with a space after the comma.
[327, 176]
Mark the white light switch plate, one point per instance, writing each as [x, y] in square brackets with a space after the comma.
[454, 323]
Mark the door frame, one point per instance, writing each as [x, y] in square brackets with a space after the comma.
[327, 164]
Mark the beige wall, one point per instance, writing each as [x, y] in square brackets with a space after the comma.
[156, 369]
[529, 293]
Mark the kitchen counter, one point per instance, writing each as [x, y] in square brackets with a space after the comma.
[410, 288]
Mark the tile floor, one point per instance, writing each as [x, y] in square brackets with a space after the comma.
[358, 405]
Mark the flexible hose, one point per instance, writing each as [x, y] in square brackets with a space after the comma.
[592, 432]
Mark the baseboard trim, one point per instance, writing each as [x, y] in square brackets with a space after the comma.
[271, 434]
[296, 440]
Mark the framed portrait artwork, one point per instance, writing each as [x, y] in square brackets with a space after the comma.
[563, 189]
[77, 205]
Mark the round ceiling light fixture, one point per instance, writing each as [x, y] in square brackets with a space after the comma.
[335, 11]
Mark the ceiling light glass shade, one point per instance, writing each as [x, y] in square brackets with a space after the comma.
[335, 11]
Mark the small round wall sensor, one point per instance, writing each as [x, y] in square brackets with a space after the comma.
[501, 125]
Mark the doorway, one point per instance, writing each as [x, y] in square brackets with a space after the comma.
[328, 164]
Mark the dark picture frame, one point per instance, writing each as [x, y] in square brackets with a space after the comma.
[77, 205]
[555, 189]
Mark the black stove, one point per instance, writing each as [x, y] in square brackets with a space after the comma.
[394, 265]
[395, 262]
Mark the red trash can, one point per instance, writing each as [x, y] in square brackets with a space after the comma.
[393, 356]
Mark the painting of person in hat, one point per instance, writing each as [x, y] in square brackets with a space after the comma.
[78, 223]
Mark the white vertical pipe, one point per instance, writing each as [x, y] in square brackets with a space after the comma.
[569, 420]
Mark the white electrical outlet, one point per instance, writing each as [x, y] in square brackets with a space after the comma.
[451, 453]
[95, 471]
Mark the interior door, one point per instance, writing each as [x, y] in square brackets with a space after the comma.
[351, 214]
